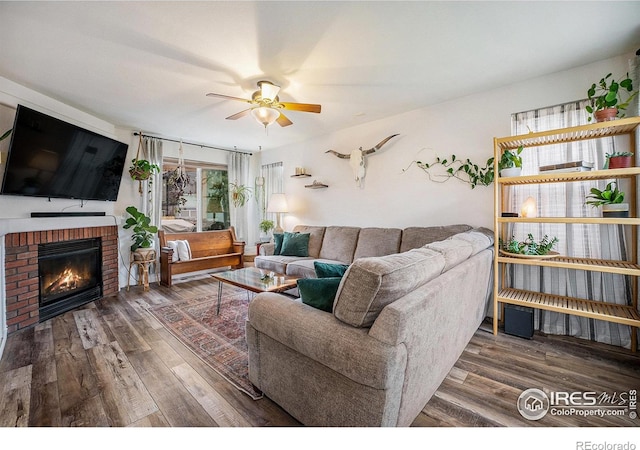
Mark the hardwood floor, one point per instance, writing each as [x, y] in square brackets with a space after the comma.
[110, 363]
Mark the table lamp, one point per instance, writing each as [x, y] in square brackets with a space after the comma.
[278, 205]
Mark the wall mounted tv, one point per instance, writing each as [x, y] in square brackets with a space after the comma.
[52, 158]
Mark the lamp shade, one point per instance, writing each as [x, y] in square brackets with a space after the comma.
[529, 208]
[277, 204]
[265, 116]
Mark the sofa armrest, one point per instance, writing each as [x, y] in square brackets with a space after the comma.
[267, 249]
[238, 246]
[320, 336]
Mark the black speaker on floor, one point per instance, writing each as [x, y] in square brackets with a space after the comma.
[518, 321]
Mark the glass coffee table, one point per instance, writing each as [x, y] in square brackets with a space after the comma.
[254, 280]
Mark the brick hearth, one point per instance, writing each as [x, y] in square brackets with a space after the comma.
[21, 268]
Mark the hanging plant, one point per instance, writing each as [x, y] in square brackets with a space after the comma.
[239, 194]
[141, 169]
[179, 181]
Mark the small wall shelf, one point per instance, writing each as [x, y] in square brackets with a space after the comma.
[301, 175]
[316, 185]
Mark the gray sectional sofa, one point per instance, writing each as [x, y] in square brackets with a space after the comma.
[399, 323]
[335, 244]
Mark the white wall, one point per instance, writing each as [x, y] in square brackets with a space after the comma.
[393, 198]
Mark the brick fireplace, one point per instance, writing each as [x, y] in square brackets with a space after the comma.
[22, 286]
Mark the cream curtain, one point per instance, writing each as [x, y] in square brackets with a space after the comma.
[238, 170]
[152, 195]
[579, 240]
[273, 183]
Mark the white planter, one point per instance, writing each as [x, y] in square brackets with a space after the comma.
[511, 172]
[615, 210]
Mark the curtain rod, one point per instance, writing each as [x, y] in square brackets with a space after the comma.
[190, 143]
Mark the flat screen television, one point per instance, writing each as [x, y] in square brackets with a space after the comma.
[52, 158]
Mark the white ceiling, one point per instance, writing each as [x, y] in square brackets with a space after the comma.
[148, 65]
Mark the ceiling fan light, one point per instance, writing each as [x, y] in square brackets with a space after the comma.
[269, 91]
[265, 116]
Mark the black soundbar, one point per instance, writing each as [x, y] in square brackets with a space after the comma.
[68, 214]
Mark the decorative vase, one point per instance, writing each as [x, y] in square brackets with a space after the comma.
[511, 172]
[619, 162]
[615, 210]
[603, 115]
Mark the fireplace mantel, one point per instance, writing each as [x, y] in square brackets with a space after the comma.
[53, 223]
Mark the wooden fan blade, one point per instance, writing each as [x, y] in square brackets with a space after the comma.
[240, 114]
[305, 107]
[228, 97]
[283, 121]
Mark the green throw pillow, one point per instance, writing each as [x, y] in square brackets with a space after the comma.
[326, 270]
[277, 239]
[319, 292]
[295, 244]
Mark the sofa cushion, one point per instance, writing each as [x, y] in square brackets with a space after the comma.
[416, 237]
[304, 267]
[479, 238]
[173, 245]
[339, 243]
[316, 235]
[454, 251]
[319, 292]
[279, 263]
[326, 270]
[377, 242]
[277, 241]
[370, 284]
[184, 250]
[295, 244]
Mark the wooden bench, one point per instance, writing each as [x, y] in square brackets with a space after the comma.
[209, 250]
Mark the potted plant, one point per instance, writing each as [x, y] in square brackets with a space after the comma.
[239, 194]
[606, 100]
[618, 160]
[510, 164]
[611, 199]
[141, 169]
[265, 226]
[143, 234]
[529, 246]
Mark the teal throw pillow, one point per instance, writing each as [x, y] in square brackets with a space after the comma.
[326, 270]
[295, 244]
[319, 292]
[277, 239]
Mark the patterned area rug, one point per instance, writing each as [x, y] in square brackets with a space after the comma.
[218, 340]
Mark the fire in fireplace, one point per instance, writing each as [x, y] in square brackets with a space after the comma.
[70, 275]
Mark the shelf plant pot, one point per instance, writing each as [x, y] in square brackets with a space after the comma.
[619, 162]
[511, 172]
[615, 210]
[603, 115]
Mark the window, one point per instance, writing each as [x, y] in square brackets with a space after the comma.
[202, 198]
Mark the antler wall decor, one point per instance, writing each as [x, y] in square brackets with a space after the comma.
[357, 161]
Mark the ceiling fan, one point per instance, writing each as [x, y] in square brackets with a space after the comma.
[266, 105]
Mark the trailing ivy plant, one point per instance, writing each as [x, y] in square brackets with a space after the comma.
[464, 170]
[529, 246]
